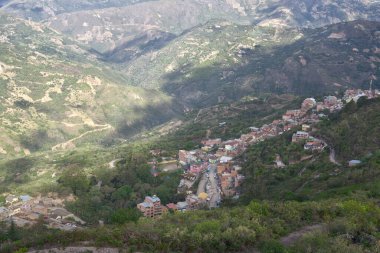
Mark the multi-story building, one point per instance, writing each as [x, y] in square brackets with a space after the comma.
[300, 135]
[151, 207]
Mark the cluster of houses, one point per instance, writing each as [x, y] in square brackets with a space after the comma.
[222, 154]
[355, 94]
[217, 153]
[24, 211]
[311, 143]
[330, 103]
[152, 207]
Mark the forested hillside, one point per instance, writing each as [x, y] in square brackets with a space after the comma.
[355, 132]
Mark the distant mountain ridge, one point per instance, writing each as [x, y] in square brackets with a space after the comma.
[222, 61]
[105, 25]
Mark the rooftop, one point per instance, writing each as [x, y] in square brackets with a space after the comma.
[153, 199]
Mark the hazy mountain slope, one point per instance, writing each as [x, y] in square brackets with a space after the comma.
[39, 10]
[106, 25]
[52, 91]
[221, 61]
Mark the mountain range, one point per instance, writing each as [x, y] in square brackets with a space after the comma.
[95, 71]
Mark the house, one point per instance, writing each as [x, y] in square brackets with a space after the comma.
[308, 104]
[182, 206]
[198, 168]
[213, 159]
[314, 145]
[299, 136]
[10, 199]
[212, 143]
[330, 101]
[354, 163]
[292, 114]
[151, 207]
[186, 157]
[33, 216]
[223, 167]
[60, 214]
[172, 206]
[254, 129]
[4, 212]
[225, 159]
[25, 198]
[39, 209]
[192, 202]
[306, 127]
[155, 152]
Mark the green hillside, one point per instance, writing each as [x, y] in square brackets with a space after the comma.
[355, 131]
[55, 95]
[353, 134]
[333, 207]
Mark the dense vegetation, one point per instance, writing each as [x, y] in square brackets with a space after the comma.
[347, 226]
[354, 133]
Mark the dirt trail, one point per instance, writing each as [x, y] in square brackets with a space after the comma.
[332, 157]
[70, 143]
[112, 164]
[291, 238]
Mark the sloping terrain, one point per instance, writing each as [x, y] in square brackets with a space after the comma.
[110, 25]
[55, 95]
[353, 133]
[221, 61]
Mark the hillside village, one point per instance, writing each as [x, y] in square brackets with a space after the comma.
[213, 172]
[210, 174]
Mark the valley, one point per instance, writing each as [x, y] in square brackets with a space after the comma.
[189, 126]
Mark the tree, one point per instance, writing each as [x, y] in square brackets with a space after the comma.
[121, 216]
[12, 232]
[122, 195]
[75, 179]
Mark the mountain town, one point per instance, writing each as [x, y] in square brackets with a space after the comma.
[213, 172]
[215, 126]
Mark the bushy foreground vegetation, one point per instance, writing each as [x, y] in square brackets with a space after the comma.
[351, 225]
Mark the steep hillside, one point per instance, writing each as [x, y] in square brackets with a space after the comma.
[352, 134]
[221, 61]
[55, 95]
